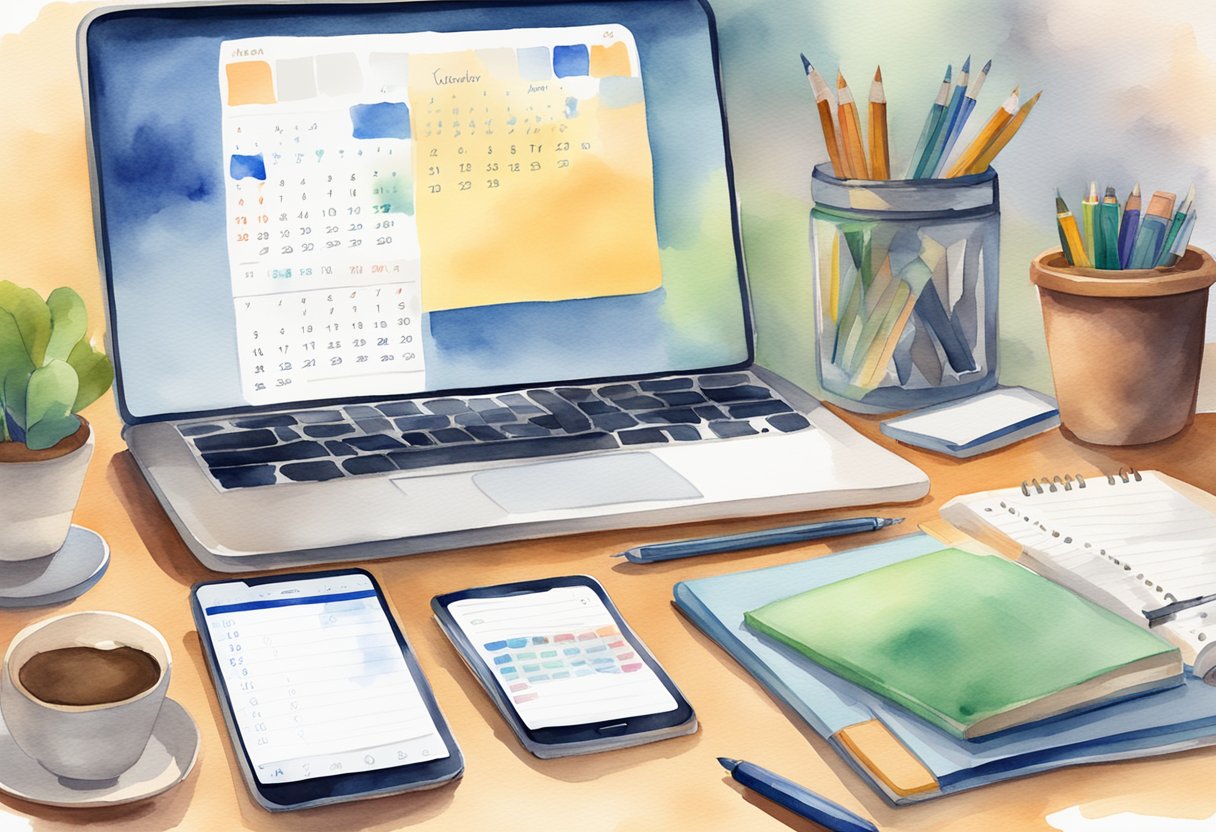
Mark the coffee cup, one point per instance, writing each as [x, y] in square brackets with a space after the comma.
[80, 657]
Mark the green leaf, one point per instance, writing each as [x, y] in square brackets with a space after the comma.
[15, 367]
[94, 372]
[69, 319]
[33, 318]
[52, 390]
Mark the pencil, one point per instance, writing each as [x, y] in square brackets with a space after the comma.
[933, 150]
[1005, 136]
[1184, 236]
[1108, 225]
[1074, 247]
[960, 122]
[935, 114]
[880, 151]
[1179, 219]
[823, 102]
[1152, 231]
[1127, 229]
[986, 136]
[850, 130]
[1090, 230]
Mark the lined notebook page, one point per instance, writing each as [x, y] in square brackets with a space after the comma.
[1140, 543]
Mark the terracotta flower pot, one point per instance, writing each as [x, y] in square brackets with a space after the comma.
[38, 493]
[1125, 346]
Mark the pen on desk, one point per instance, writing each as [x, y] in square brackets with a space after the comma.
[797, 799]
[1162, 614]
[752, 540]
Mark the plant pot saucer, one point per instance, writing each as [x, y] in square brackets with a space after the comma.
[58, 577]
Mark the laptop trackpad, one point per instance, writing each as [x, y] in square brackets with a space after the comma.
[584, 483]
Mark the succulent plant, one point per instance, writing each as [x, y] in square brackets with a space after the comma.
[48, 369]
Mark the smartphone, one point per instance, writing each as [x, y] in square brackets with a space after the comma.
[322, 695]
[563, 667]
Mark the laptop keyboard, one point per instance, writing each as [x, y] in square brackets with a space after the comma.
[402, 435]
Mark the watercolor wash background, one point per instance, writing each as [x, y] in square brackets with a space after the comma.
[1130, 95]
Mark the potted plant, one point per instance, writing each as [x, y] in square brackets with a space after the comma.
[48, 372]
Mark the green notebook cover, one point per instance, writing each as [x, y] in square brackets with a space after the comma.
[962, 640]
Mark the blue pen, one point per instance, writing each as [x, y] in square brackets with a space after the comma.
[797, 799]
[752, 540]
[937, 142]
[1127, 230]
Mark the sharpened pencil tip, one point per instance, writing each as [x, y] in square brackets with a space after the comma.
[1136, 190]
[806, 64]
[949, 72]
[1061, 205]
[987, 67]
[840, 82]
[878, 74]
[1093, 190]
[967, 64]
[728, 763]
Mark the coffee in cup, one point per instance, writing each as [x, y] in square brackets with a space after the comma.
[88, 675]
[80, 693]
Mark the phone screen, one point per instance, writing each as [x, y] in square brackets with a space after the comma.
[560, 657]
[316, 678]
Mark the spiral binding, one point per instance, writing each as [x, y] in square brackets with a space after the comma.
[1054, 484]
[1048, 485]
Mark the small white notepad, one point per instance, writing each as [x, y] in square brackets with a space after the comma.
[1130, 543]
[977, 424]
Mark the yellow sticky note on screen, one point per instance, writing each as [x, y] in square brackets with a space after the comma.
[528, 190]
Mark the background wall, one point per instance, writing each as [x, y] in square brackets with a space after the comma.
[1129, 95]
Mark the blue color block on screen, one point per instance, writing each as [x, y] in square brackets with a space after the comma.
[385, 120]
[571, 60]
[247, 167]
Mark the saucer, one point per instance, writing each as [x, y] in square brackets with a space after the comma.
[57, 577]
[166, 761]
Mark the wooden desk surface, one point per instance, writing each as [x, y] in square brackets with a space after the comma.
[675, 784]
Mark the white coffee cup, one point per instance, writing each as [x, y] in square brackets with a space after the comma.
[83, 742]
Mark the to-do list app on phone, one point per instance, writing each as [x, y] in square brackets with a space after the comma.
[317, 681]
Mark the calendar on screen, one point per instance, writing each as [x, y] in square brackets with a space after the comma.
[374, 179]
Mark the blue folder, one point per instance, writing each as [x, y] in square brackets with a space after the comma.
[1157, 723]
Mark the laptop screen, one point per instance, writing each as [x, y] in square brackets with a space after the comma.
[315, 203]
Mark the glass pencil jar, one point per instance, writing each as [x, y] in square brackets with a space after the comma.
[906, 285]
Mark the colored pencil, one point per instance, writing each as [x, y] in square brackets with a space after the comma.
[1090, 230]
[850, 130]
[824, 103]
[1180, 242]
[880, 150]
[1127, 228]
[961, 121]
[986, 136]
[1074, 246]
[1179, 219]
[1152, 230]
[1005, 136]
[935, 114]
[933, 149]
[1108, 225]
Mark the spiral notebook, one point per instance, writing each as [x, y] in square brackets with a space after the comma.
[1131, 542]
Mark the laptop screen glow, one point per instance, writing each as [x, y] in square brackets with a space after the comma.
[304, 205]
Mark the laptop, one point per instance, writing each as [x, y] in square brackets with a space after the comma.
[387, 278]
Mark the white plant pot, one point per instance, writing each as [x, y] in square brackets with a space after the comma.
[36, 502]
